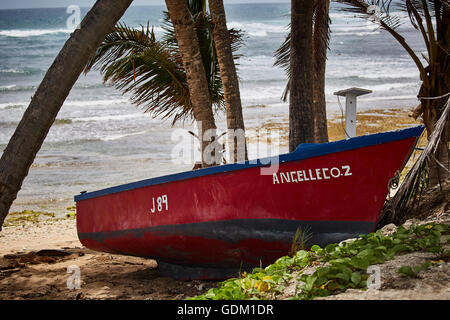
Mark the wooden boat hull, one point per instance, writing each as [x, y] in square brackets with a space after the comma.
[234, 217]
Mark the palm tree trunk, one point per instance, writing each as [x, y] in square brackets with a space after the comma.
[50, 95]
[301, 113]
[320, 47]
[196, 78]
[235, 120]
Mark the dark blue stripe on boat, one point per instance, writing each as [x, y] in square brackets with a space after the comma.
[230, 231]
[233, 231]
[303, 151]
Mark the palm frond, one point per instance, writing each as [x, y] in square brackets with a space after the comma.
[386, 22]
[135, 62]
[364, 9]
[121, 41]
[283, 59]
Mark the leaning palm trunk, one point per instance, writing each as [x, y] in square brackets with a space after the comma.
[396, 209]
[235, 120]
[50, 95]
[196, 79]
[301, 113]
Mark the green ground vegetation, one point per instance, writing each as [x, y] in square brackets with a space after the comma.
[339, 266]
[20, 218]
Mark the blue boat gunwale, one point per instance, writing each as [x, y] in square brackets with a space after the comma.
[302, 152]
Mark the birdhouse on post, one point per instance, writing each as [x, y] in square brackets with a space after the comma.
[350, 108]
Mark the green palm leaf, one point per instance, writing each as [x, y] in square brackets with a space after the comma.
[135, 62]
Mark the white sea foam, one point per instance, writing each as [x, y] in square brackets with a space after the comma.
[358, 33]
[408, 74]
[389, 98]
[32, 33]
[14, 87]
[89, 103]
[393, 86]
[118, 117]
[120, 136]
[8, 87]
[257, 29]
[12, 71]
[10, 105]
[348, 27]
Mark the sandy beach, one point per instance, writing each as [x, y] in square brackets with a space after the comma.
[39, 261]
[27, 271]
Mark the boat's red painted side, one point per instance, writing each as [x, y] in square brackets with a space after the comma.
[243, 217]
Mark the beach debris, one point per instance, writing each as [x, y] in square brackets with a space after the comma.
[41, 256]
[200, 287]
[7, 272]
[411, 190]
[26, 216]
[53, 253]
[79, 296]
[388, 229]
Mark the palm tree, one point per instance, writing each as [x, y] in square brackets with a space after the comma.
[235, 120]
[301, 115]
[188, 45]
[432, 19]
[320, 41]
[50, 95]
[152, 70]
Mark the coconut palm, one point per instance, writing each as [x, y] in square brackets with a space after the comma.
[152, 70]
[301, 115]
[155, 73]
[50, 95]
[235, 120]
[188, 44]
[320, 40]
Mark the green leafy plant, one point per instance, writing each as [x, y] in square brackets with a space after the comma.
[338, 266]
[413, 271]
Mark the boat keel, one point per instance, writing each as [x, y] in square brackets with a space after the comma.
[187, 273]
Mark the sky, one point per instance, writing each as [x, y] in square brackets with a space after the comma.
[16, 4]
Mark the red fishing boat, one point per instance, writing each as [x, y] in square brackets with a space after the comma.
[213, 222]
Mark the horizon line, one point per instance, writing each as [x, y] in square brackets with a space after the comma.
[143, 5]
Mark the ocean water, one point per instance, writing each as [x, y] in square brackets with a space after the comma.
[100, 139]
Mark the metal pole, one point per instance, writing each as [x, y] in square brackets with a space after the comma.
[350, 108]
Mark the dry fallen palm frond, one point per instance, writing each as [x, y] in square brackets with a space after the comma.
[410, 189]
